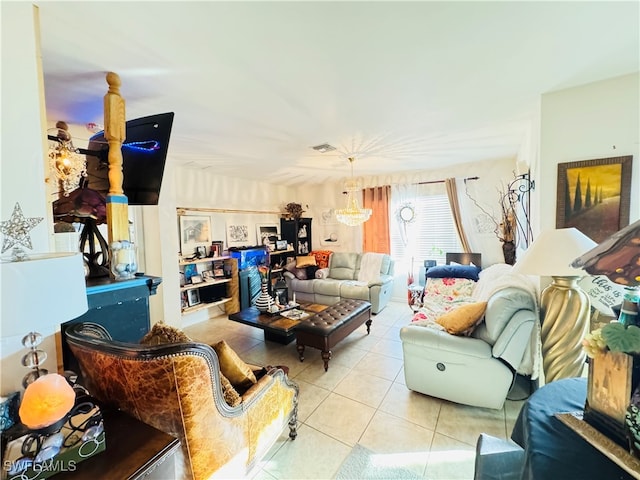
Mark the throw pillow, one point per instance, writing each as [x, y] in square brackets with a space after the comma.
[299, 273]
[311, 271]
[161, 334]
[229, 393]
[231, 365]
[453, 271]
[462, 320]
[305, 261]
[322, 257]
[448, 289]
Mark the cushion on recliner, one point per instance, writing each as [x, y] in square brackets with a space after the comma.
[322, 257]
[501, 307]
[462, 320]
[300, 273]
[454, 271]
[343, 265]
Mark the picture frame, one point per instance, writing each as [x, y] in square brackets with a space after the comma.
[193, 297]
[218, 272]
[195, 231]
[196, 279]
[237, 234]
[201, 251]
[268, 234]
[184, 301]
[217, 246]
[281, 245]
[189, 271]
[594, 196]
[207, 275]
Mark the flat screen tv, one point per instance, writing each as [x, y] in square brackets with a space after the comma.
[144, 153]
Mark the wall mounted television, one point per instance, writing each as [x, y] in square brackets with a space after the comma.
[144, 153]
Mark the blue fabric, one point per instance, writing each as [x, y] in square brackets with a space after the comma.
[454, 271]
[553, 450]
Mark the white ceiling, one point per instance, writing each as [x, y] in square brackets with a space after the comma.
[400, 85]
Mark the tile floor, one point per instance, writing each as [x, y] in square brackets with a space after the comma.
[363, 399]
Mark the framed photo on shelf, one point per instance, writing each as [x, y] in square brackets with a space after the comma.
[268, 234]
[217, 247]
[184, 301]
[189, 271]
[196, 279]
[281, 245]
[193, 297]
[207, 275]
[195, 231]
[594, 196]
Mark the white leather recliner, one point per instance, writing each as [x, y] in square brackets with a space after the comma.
[477, 370]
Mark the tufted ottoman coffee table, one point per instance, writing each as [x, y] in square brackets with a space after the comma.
[325, 329]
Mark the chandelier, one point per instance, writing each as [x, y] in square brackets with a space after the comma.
[353, 215]
[68, 166]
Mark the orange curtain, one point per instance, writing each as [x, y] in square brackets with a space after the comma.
[375, 236]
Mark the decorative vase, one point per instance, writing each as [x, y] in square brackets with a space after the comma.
[264, 301]
[123, 259]
[509, 252]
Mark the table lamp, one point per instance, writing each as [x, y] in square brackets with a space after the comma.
[38, 295]
[564, 306]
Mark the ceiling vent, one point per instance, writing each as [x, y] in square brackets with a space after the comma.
[324, 148]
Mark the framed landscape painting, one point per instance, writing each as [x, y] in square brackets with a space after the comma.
[594, 196]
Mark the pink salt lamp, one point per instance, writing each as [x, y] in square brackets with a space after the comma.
[46, 401]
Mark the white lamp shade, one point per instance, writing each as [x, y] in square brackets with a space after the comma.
[551, 254]
[46, 289]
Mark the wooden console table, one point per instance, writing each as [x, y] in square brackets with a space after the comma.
[134, 450]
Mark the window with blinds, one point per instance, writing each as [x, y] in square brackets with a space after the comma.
[429, 237]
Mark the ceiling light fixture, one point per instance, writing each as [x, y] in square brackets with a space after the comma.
[324, 148]
[353, 215]
[64, 160]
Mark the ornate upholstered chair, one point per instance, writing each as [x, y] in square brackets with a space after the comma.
[177, 388]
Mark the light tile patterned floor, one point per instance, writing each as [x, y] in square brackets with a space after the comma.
[363, 399]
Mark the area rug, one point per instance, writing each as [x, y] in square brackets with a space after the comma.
[363, 464]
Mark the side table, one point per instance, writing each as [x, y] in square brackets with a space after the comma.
[135, 450]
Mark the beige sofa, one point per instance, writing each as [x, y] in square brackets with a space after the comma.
[361, 276]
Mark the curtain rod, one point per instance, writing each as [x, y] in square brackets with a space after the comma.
[182, 210]
[442, 181]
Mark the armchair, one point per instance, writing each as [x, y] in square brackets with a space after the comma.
[177, 389]
[477, 370]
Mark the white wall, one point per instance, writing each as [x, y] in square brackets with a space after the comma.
[191, 189]
[22, 169]
[597, 120]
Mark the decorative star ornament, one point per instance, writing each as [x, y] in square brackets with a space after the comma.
[16, 229]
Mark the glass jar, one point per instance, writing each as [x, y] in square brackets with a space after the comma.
[123, 258]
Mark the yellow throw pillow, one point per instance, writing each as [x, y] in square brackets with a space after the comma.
[462, 320]
[231, 365]
[306, 261]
